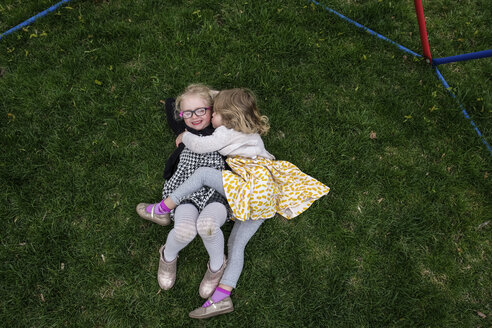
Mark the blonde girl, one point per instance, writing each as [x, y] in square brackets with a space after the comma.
[257, 188]
[202, 212]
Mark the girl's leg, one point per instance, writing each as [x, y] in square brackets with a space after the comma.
[240, 235]
[183, 233]
[203, 176]
[208, 226]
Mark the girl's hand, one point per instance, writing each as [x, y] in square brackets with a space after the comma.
[179, 139]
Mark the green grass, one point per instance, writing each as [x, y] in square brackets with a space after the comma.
[400, 241]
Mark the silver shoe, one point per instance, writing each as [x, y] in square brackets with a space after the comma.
[161, 219]
[211, 280]
[222, 307]
[166, 275]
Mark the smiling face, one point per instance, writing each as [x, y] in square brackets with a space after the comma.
[192, 102]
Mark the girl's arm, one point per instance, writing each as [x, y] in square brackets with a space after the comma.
[207, 144]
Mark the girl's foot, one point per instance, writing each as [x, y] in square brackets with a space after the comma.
[214, 309]
[218, 295]
[211, 280]
[166, 275]
[154, 213]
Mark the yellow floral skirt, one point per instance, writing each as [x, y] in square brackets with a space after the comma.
[259, 188]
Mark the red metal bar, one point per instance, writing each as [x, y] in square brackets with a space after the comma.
[423, 31]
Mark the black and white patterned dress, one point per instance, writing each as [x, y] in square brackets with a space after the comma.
[188, 163]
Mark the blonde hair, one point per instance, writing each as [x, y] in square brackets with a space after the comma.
[238, 110]
[200, 90]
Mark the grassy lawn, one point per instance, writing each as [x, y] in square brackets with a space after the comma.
[402, 240]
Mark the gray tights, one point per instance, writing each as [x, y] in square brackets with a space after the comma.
[240, 235]
[241, 232]
[203, 176]
[188, 223]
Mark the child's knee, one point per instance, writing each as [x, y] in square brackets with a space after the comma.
[185, 232]
[207, 227]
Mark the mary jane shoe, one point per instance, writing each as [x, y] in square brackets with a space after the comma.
[161, 219]
[222, 307]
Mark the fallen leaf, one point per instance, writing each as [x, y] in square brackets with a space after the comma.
[97, 82]
[486, 175]
[482, 225]
[373, 135]
[481, 315]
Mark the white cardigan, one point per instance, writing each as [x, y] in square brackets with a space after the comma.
[228, 142]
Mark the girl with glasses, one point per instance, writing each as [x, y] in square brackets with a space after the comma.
[204, 211]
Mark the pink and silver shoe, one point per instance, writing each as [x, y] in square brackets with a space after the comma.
[222, 307]
[161, 219]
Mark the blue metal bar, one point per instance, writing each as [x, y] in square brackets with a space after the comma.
[367, 29]
[439, 75]
[463, 110]
[473, 55]
[33, 18]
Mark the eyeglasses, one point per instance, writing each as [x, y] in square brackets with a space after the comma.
[198, 112]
